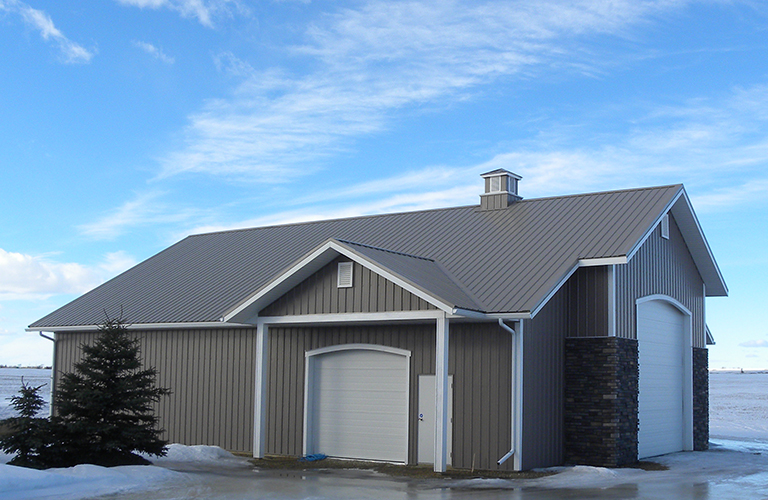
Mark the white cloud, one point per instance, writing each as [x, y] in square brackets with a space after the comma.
[755, 343]
[71, 52]
[154, 52]
[377, 59]
[203, 10]
[144, 209]
[24, 276]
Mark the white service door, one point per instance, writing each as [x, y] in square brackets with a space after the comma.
[427, 419]
[359, 405]
[660, 335]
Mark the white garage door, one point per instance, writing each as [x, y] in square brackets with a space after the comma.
[660, 335]
[359, 404]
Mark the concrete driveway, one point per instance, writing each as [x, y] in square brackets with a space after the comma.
[731, 470]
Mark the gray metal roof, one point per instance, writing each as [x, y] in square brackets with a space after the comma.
[422, 272]
[503, 261]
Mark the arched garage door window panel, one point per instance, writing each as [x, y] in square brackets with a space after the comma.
[665, 397]
[356, 402]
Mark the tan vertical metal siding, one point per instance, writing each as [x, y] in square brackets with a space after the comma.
[369, 292]
[211, 376]
[543, 383]
[664, 267]
[479, 360]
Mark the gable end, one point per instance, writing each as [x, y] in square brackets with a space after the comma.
[370, 292]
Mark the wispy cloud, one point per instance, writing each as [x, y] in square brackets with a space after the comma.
[755, 343]
[24, 276]
[378, 59]
[144, 209]
[71, 52]
[203, 10]
[154, 52]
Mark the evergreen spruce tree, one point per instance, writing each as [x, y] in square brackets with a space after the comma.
[25, 434]
[105, 407]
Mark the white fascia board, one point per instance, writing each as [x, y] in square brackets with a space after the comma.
[702, 243]
[655, 223]
[350, 317]
[394, 278]
[554, 290]
[516, 315]
[603, 261]
[496, 174]
[320, 256]
[314, 261]
[142, 326]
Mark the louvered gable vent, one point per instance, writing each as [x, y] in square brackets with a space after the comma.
[344, 276]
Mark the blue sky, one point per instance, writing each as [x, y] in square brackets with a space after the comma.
[126, 125]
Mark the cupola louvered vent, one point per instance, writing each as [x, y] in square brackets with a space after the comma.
[344, 278]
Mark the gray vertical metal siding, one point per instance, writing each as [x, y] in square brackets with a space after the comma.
[665, 267]
[369, 292]
[479, 360]
[211, 376]
[543, 384]
[588, 299]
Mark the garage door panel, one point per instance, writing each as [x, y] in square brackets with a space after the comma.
[359, 404]
[660, 335]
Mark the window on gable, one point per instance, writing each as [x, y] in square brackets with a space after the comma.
[665, 227]
[344, 276]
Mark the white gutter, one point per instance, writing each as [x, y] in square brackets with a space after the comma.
[141, 326]
[513, 433]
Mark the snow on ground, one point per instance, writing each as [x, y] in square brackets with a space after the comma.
[730, 470]
[83, 481]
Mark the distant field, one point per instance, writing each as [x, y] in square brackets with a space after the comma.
[10, 383]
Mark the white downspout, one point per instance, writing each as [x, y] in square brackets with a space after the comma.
[513, 433]
[53, 371]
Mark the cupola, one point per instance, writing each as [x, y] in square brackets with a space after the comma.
[500, 189]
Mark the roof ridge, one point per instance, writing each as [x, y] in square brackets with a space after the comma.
[599, 193]
[460, 207]
[385, 250]
[336, 219]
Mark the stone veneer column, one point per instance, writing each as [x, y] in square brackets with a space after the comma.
[700, 399]
[601, 388]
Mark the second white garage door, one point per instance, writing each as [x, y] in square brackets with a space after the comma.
[357, 403]
[661, 335]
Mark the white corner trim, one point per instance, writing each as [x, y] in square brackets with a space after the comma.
[442, 346]
[612, 301]
[260, 396]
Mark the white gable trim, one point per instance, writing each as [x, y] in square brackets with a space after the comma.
[313, 262]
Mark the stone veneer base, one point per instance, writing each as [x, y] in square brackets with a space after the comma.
[700, 399]
[601, 387]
